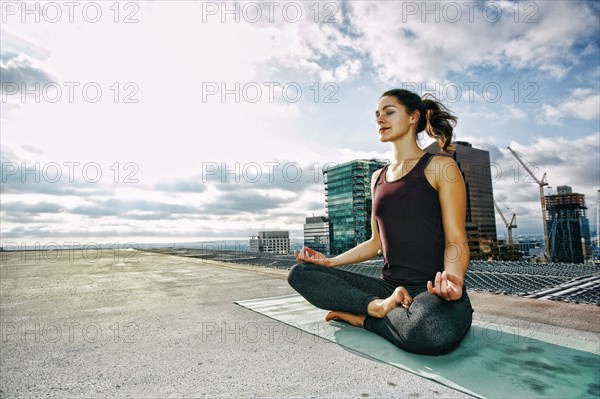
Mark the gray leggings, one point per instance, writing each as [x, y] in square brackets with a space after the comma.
[431, 325]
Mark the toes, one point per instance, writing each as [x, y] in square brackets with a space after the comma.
[330, 316]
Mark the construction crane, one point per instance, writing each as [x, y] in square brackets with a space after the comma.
[509, 225]
[541, 183]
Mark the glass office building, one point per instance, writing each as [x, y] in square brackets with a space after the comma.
[348, 197]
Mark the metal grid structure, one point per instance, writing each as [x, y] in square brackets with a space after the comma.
[568, 282]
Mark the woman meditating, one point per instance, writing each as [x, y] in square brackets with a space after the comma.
[419, 303]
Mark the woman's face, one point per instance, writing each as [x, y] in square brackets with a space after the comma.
[393, 121]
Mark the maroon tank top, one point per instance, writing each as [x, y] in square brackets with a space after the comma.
[409, 217]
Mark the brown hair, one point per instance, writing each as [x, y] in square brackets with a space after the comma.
[437, 121]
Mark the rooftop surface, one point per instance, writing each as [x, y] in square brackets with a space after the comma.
[140, 324]
[567, 282]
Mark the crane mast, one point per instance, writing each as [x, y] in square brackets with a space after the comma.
[509, 227]
[541, 183]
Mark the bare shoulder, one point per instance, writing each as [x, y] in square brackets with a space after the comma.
[376, 174]
[442, 160]
[442, 169]
[374, 177]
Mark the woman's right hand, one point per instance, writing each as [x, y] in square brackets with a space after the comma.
[309, 255]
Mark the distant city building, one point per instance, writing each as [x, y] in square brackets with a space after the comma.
[316, 234]
[273, 242]
[530, 248]
[348, 196]
[480, 221]
[568, 226]
[598, 218]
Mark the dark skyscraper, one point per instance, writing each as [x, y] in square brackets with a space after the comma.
[474, 164]
[568, 226]
[348, 196]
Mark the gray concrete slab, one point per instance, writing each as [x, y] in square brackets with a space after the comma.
[137, 324]
[165, 326]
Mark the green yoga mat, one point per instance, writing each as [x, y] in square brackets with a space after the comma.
[493, 361]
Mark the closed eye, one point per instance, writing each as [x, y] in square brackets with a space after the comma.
[386, 114]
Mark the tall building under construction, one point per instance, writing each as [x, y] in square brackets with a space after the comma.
[480, 221]
[568, 226]
[348, 197]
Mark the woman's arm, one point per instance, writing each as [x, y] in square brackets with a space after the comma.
[452, 195]
[364, 251]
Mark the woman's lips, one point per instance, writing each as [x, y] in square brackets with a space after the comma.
[381, 130]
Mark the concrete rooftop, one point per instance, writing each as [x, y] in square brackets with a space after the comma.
[140, 324]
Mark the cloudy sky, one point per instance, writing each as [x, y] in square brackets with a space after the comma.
[187, 120]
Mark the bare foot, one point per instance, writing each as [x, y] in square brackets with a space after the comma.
[402, 297]
[381, 307]
[354, 319]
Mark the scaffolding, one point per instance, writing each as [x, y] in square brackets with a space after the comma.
[569, 228]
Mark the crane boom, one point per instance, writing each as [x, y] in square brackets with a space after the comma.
[501, 214]
[509, 227]
[541, 183]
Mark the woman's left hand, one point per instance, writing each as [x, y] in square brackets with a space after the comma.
[447, 286]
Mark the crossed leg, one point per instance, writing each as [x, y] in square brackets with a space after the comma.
[427, 325]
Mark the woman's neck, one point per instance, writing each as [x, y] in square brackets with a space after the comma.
[406, 149]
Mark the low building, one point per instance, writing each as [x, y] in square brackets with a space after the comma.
[272, 242]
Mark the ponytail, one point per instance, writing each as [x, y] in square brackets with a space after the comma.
[437, 121]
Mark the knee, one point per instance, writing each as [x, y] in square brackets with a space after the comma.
[295, 273]
[435, 327]
[426, 304]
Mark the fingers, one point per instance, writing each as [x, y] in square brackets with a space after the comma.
[301, 256]
[438, 284]
[441, 287]
[444, 287]
[309, 251]
[408, 300]
[451, 277]
[430, 287]
[308, 255]
[455, 282]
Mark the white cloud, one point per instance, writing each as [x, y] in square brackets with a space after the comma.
[13, 44]
[346, 71]
[582, 103]
[407, 44]
[502, 113]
